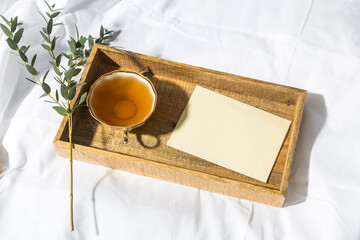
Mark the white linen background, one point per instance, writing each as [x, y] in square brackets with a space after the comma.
[314, 45]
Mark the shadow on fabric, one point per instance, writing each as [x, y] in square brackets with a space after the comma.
[313, 120]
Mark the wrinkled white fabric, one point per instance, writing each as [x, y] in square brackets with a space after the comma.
[314, 45]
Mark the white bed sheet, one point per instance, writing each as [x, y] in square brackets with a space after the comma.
[314, 45]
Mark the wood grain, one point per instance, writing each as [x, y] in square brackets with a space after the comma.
[147, 153]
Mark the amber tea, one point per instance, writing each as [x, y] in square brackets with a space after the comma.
[122, 99]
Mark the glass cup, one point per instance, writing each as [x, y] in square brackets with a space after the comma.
[122, 100]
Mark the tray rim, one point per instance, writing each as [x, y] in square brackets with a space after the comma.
[299, 107]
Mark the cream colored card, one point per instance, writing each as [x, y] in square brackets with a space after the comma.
[230, 133]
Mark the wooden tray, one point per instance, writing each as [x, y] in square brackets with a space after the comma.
[147, 153]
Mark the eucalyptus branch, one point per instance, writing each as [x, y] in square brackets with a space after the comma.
[76, 58]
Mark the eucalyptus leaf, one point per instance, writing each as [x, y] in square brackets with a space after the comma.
[31, 70]
[5, 20]
[90, 41]
[18, 35]
[43, 95]
[30, 80]
[44, 78]
[46, 47]
[80, 84]
[45, 30]
[76, 109]
[83, 97]
[57, 95]
[72, 93]
[12, 44]
[69, 74]
[43, 17]
[53, 44]
[26, 49]
[60, 110]
[44, 36]
[14, 24]
[64, 92]
[49, 26]
[101, 31]
[50, 8]
[23, 56]
[58, 60]
[77, 32]
[77, 71]
[33, 60]
[56, 69]
[82, 62]
[6, 31]
[72, 44]
[46, 88]
[55, 14]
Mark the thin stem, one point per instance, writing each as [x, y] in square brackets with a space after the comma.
[71, 172]
[71, 163]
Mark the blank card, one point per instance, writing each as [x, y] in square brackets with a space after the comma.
[229, 133]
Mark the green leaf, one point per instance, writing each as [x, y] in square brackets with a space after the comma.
[31, 81]
[56, 69]
[58, 79]
[44, 78]
[64, 92]
[60, 110]
[91, 42]
[43, 17]
[101, 31]
[78, 53]
[72, 93]
[76, 108]
[31, 70]
[66, 55]
[5, 20]
[33, 60]
[82, 41]
[72, 44]
[46, 88]
[83, 97]
[82, 62]
[50, 8]
[45, 30]
[77, 71]
[70, 62]
[14, 24]
[58, 60]
[43, 95]
[55, 14]
[53, 44]
[80, 84]
[44, 36]
[46, 47]
[48, 14]
[18, 35]
[12, 44]
[57, 95]
[49, 26]
[77, 32]
[6, 31]
[23, 56]
[24, 49]
[69, 74]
